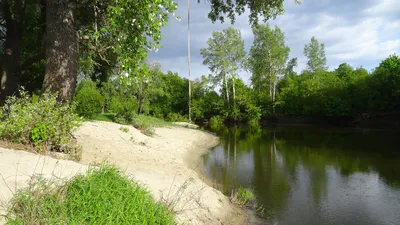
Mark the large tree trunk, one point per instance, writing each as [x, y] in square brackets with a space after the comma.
[61, 49]
[10, 68]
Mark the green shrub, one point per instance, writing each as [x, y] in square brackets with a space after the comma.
[176, 117]
[102, 196]
[44, 123]
[39, 134]
[88, 99]
[124, 107]
[216, 120]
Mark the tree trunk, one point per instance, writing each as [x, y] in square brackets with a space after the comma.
[61, 49]
[273, 96]
[10, 73]
[270, 88]
[234, 92]
[227, 91]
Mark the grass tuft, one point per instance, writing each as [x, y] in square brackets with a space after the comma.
[243, 196]
[124, 129]
[102, 196]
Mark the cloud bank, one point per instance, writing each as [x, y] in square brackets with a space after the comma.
[359, 32]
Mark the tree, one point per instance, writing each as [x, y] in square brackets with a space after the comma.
[13, 17]
[293, 63]
[258, 8]
[345, 72]
[225, 56]
[61, 49]
[268, 57]
[129, 28]
[315, 52]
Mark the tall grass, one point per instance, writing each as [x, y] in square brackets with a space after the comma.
[102, 196]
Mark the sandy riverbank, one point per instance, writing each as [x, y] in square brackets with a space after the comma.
[17, 168]
[166, 164]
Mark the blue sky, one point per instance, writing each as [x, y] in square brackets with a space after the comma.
[359, 32]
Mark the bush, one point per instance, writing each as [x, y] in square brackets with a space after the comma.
[216, 120]
[88, 99]
[44, 123]
[175, 117]
[124, 107]
[101, 196]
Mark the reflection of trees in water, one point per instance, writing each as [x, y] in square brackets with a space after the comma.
[248, 159]
[271, 185]
[346, 161]
[268, 161]
[349, 151]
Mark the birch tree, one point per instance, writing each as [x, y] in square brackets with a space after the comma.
[225, 57]
[315, 52]
[268, 57]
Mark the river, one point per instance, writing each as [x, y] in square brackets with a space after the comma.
[311, 175]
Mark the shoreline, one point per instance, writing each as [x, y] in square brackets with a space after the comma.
[167, 164]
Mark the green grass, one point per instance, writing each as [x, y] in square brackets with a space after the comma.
[243, 196]
[102, 196]
[145, 124]
[148, 121]
[107, 117]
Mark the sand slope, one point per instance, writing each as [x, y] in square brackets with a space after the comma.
[17, 167]
[165, 164]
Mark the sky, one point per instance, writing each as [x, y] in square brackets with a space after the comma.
[359, 32]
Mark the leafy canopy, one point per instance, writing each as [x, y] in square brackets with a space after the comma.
[268, 55]
[266, 9]
[225, 54]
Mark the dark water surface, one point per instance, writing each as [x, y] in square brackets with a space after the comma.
[308, 175]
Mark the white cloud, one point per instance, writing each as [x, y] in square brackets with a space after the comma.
[359, 32]
[384, 7]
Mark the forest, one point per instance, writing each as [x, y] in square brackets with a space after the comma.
[93, 54]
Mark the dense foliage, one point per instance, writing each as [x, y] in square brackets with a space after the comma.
[115, 37]
[88, 99]
[343, 92]
[42, 122]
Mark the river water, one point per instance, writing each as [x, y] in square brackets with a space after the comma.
[311, 175]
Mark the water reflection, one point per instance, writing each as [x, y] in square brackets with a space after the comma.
[308, 175]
